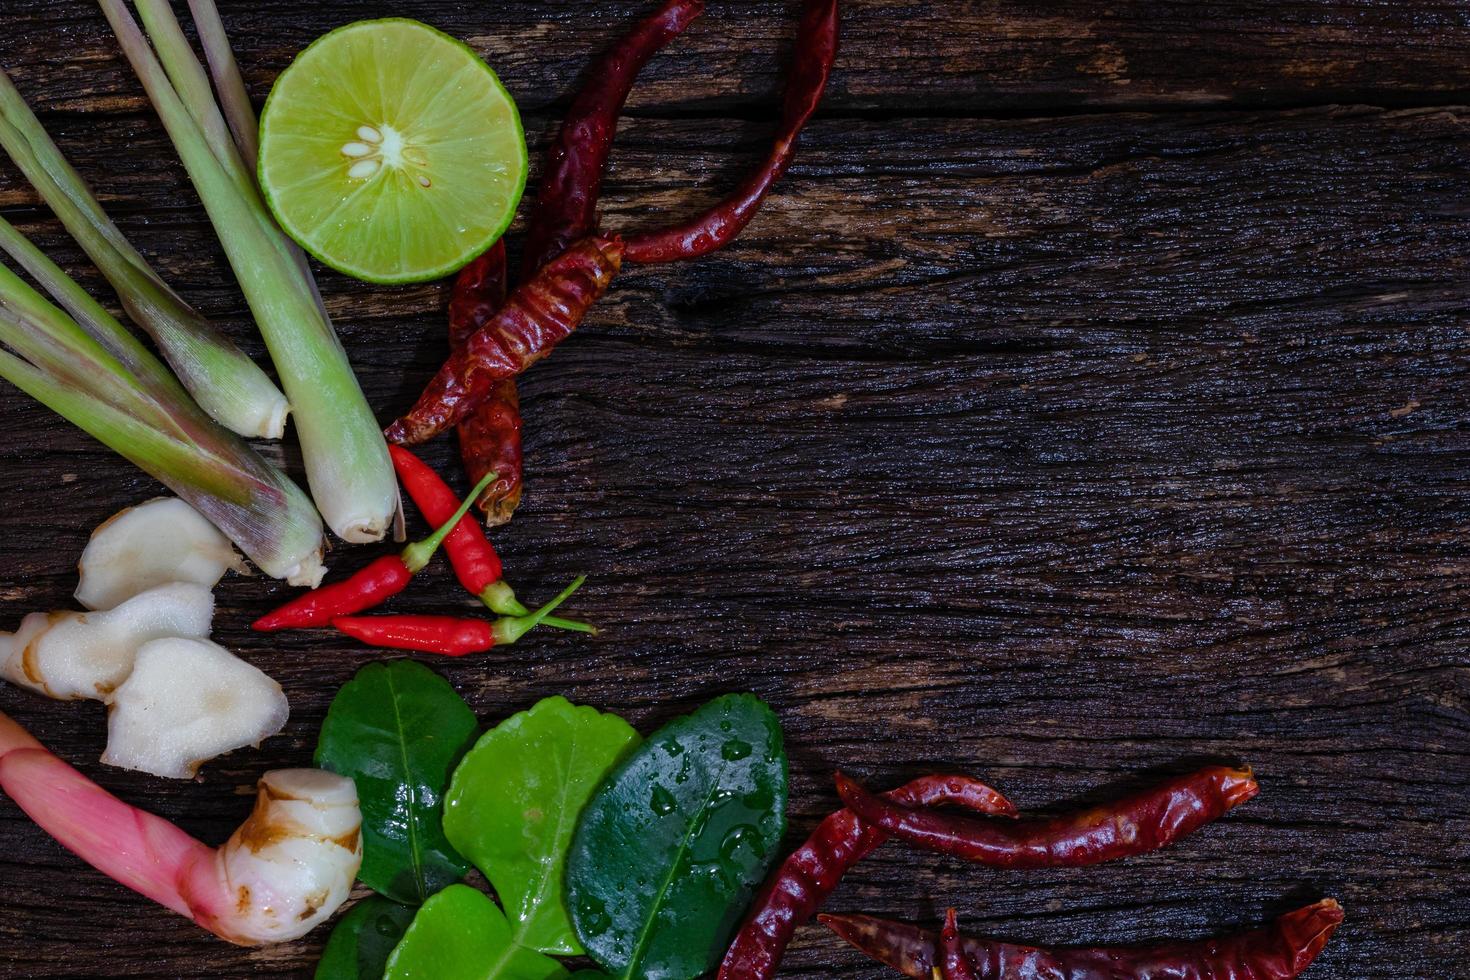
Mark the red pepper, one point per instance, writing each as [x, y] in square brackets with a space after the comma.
[490, 436]
[368, 587]
[816, 50]
[800, 886]
[447, 635]
[566, 208]
[1280, 951]
[539, 314]
[953, 963]
[1145, 822]
[490, 442]
[475, 562]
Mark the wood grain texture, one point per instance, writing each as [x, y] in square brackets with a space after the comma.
[1065, 449]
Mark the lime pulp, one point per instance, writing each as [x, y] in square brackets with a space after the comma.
[392, 152]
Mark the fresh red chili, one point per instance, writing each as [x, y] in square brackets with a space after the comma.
[816, 50]
[473, 556]
[1280, 951]
[953, 963]
[490, 436]
[1144, 822]
[799, 887]
[370, 586]
[448, 635]
[539, 314]
[566, 207]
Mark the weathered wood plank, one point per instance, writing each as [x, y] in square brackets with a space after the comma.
[931, 56]
[1056, 450]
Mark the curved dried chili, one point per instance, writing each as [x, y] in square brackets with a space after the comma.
[1143, 822]
[566, 207]
[797, 889]
[1280, 951]
[816, 50]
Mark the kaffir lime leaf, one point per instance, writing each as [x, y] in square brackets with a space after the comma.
[391, 152]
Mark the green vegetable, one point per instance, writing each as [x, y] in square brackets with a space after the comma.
[223, 380]
[671, 847]
[460, 934]
[85, 366]
[363, 939]
[391, 152]
[397, 729]
[514, 802]
[346, 458]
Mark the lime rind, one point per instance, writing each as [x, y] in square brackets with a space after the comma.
[452, 111]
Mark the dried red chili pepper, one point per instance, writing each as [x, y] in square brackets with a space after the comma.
[1144, 822]
[816, 50]
[799, 887]
[1280, 951]
[370, 586]
[953, 963]
[566, 208]
[490, 442]
[538, 315]
[490, 436]
[447, 635]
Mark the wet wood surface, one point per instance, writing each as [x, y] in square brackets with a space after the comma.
[1090, 401]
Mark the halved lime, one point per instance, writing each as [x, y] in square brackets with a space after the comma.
[391, 152]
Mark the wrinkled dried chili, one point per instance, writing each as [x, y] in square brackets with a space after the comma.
[953, 963]
[1280, 951]
[490, 436]
[1143, 822]
[816, 50]
[538, 315]
[797, 889]
[566, 208]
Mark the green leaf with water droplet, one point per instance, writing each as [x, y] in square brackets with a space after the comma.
[397, 729]
[672, 846]
[460, 934]
[514, 802]
[362, 940]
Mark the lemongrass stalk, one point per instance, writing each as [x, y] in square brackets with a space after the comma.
[234, 102]
[225, 382]
[346, 456]
[233, 99]
[128, 401]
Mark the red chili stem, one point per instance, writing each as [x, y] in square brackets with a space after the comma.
[953, 963]
[801, 885]
[450, 636]
[1138, 824]
[566, 208]
[816, 50]
[539, 314]
[368, 587]
[1280, 951]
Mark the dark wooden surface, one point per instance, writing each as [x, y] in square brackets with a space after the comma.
[1091, 400]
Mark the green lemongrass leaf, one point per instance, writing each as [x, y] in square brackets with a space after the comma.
[397, 729]
[460, 934]
[229, 385]
[192, 85]
[674, 843]
[152, 451]
[346, 457]
[514, 802]
[363, 939]
[97, 325]
[234, 100]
